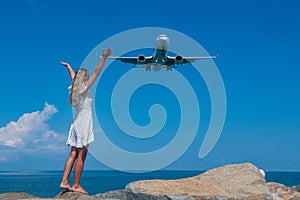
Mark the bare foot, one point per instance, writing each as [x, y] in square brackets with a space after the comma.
[78, 189]
[65, 186]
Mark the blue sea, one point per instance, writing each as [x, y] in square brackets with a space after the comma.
[45, 184]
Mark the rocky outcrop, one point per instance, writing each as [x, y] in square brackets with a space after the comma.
[16, 195]
[280, 191]
[237, 181]
[112, 195]
[230, 182]
[296, 188]
[74, 196]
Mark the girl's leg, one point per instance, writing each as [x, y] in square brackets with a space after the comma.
[67, 169]
[81, 155]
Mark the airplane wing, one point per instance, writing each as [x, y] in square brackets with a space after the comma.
[134, 60]
[183, 60]
[193, 59]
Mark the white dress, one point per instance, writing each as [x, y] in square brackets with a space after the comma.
[81, 130]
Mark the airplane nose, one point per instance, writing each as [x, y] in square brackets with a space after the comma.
[162, 42]
[162, 37]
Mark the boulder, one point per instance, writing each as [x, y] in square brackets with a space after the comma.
[236, 181]
[282, 192]
[112, 195]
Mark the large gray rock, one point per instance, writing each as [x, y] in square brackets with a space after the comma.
[112, 195]
[236, 181]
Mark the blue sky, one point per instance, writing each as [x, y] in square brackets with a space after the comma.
[258, 43]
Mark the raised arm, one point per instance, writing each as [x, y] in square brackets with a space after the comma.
[71, 71]
[98, 68]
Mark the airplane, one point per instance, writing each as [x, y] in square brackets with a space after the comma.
[160, 59]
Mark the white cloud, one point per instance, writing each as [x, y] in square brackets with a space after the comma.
[31, 133]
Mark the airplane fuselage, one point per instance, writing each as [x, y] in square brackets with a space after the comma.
[160, 53]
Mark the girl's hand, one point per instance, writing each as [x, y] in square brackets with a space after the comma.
[65, 64]
[68, 66]
[106, 53]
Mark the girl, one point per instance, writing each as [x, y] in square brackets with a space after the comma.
[81, 130]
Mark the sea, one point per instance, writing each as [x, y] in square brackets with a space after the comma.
[45, 184]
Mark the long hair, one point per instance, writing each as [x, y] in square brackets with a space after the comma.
[81, 76]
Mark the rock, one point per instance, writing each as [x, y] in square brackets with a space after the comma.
[16, 195]
[296, 188]
[236, 181]
[283, 192]
[213, 198]
[230, 182]
[112, 195]
[74, 196]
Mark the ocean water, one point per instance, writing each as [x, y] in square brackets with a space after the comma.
[45, 184]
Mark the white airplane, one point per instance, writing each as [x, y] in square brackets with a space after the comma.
[160, 59]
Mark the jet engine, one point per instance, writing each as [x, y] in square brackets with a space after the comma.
[141, 59]
[178, 59]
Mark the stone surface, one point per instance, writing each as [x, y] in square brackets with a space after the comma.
[296, 188]
[112, 195]
[16, 195]
[283, 192]
[74, 196]
[236, 181]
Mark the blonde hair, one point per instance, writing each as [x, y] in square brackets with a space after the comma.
[81, 76]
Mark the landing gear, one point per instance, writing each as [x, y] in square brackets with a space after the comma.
[148, 68]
